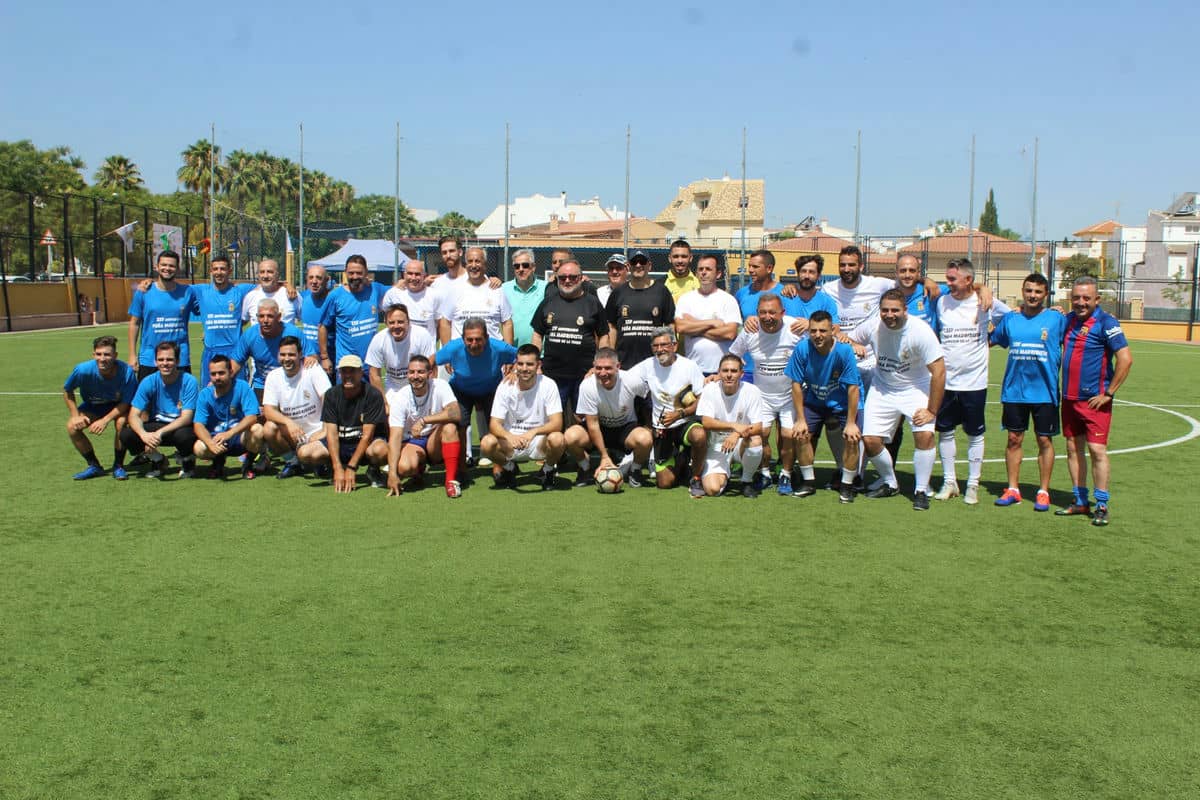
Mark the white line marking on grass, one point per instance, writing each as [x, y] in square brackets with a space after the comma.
[69, 329]
[31, 394]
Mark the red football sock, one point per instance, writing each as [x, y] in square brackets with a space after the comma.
[451, 452]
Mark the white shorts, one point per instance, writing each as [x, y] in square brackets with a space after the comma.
[782, 409]
[534, 451]
[718, 462]
[884, 412]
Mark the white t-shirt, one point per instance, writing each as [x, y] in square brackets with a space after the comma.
[386, 354]
[745, 407]
[857, 305]
[289, 310]
[664, 383]
[298, 398]
[964, 334]
[462, 300]
[603, 293]
[520, 411]
[771, 353]
[613, 406]
[901, 355]
[422, 306]
[405, 407]
[719, 305]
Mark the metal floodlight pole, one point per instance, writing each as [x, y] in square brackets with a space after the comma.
[857, 184]
[1033, 233]
[507, 148]
[625, 227]
[743, 201]
[971, 203]
[212, 191]
[396, 214]
[300, 252]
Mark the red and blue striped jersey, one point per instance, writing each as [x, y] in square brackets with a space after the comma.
[1088, 348]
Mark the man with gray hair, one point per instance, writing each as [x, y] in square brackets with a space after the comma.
[474, 297]
[962, 324]
[271, 288]
[261, 343]
[524, 293]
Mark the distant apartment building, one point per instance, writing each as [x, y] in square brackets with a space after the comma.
[708, 213]
[540, 209]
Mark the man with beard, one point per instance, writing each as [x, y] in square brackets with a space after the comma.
[161, 414]
[353, 310]
[226, 421]
[218, 304]
[636, 309]
[355, 427]
[423, 425]
[106, 388]
[680, 279]
[809, 298]
[526, 424]
[707, 318]
[910, 378]
[568, 328]
[674, 384]
[608, 422]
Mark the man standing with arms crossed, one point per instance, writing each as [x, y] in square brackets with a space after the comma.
[1033, 335]
[707, 318]
[1092, 343]
[910, 378]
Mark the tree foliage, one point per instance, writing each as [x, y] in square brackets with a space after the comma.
[989, 220]
[119, 174]
[25, 168]
[1077, 265]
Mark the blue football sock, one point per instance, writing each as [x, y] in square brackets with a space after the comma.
[1101, 497]
[1081, 495]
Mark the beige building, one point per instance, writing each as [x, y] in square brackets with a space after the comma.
[708, 213]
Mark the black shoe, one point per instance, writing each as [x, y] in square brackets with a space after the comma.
[216, 472]
[806, 490]
[548, 478]
[845, 494]
[883, 491]
[158, 467]
[749, 489]
[1100, 516]
[375, 478]
[921, 501]
[582, 480]
[504, 479]
[635, 479]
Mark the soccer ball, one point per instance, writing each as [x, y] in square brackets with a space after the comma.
[609, 481]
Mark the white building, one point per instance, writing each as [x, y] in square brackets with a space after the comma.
[539, 209]
[1171, 238]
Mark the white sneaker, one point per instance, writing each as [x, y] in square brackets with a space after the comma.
[949, 489]
[484, 461]
[971, 498]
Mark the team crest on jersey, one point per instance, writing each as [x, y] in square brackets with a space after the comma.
[579, 320]
[234, 411]
[374, 310]
[835, 375]
[904, 354]
[1045, 334]
[231, 307]
[624, 311]
[307, 396]
[550, 318]
[920, 305]
[866, 306]
[654, 311]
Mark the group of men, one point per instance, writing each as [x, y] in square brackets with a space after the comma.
[559, 368]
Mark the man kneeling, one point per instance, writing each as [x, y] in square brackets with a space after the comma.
[226, 421]
[423, 424]
[732, 413]
[609, 422]
[526, 423]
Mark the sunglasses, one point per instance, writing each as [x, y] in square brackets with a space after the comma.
[522, 265]
[570, 277]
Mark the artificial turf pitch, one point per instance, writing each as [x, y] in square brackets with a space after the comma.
[271, 639]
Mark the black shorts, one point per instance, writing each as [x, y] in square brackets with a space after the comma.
[672, 440]
[346, 447]
[1015, 418]
[962, 408]
[614, 438]
[467, 403]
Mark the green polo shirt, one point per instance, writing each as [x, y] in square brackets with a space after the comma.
[524, 302]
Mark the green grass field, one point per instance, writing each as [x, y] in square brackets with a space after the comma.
[270, 639]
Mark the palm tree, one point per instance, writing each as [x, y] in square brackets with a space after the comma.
[341, 197]
[198, 172]
[119, 174]
[238, 175]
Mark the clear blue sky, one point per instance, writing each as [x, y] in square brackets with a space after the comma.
[1108, 89]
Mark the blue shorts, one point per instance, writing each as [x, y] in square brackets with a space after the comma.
[234, 446]
[418, 441]
[818, 419]
[962, 408]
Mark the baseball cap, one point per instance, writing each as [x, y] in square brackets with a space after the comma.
[636, 254]
[617, 258]
[349, 362]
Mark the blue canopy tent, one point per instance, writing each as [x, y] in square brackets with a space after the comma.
[379, 253]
